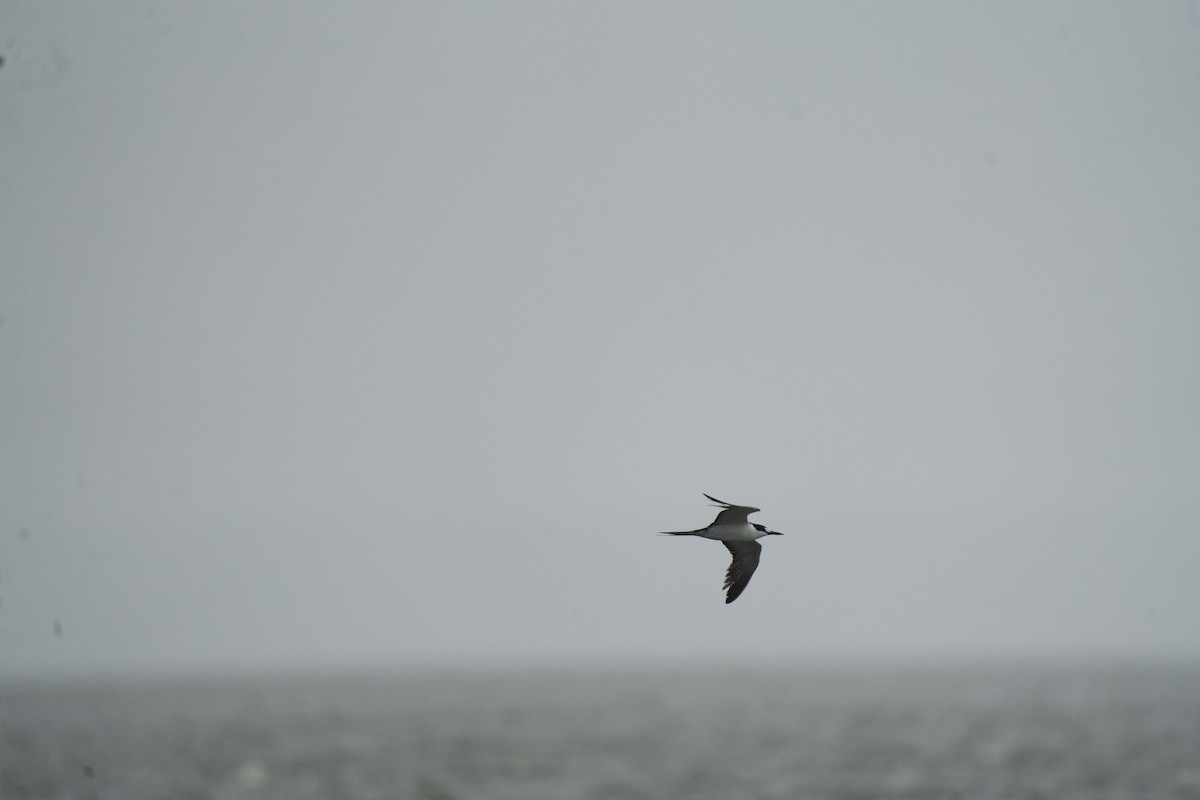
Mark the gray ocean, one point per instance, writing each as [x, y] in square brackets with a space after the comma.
[842, 732]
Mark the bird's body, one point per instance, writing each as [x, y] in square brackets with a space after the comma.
[725, 533]
[733, 529]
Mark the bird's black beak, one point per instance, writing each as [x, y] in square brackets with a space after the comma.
[774, 533]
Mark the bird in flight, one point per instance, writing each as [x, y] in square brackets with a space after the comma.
[733, 529]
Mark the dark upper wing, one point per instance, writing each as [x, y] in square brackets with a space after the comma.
[745, 561]
[731, 514]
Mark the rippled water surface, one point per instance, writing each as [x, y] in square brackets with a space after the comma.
[861, 732]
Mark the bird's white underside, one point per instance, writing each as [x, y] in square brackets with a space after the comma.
[744, 532]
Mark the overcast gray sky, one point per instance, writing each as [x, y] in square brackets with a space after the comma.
[391, 333]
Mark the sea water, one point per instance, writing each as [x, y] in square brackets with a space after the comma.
[842, 732]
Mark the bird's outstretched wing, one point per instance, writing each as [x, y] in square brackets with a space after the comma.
[745, 561]
[731, 514]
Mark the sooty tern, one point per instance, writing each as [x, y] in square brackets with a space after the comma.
[732, 529]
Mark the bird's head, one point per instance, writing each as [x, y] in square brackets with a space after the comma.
[763, 530]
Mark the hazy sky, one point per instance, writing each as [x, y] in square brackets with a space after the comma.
[392, 333]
